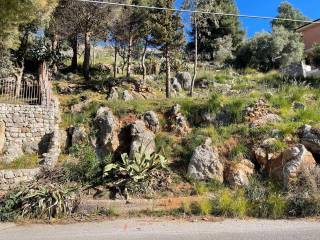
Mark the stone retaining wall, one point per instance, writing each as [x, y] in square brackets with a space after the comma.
[26, 128]
[11, 178]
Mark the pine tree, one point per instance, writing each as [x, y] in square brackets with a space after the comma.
[168, 35]
[286, 10]
[212, 27]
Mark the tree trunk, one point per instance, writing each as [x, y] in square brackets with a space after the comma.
[115, 64]
[86, 60]
[168, 84]
[129, 55]
[195, 55]
[143, 62]
[19, 80]
[74, 63]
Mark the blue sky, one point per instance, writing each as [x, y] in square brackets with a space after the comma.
[310, 8]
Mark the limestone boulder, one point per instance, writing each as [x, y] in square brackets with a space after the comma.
[178, 123]
[127, 96]
[238, 173]
[185, 79]
[205, 163]
[152, 121]
[295, 160]
[78, 135]
[107, 124]
[113, 95]
[141, 137]
[310, 138]
[175, 84]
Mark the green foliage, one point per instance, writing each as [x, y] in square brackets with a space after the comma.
[266, 51]
[286, 10]
[203, 207]
[39, 201]
[86, 167]
[24, 162]
[211, 28]
[266, 199]
[239, 151]
[231, 204]
[138, 168]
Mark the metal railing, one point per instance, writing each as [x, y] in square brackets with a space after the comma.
[26, 93]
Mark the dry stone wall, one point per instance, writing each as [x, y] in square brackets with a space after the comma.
[25, 128]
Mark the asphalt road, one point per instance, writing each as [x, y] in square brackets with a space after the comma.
[147, 229]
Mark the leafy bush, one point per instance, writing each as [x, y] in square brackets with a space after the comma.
[39, 201]
[86, 167]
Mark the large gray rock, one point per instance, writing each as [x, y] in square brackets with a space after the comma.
[205, 163]
[141, 138]
[108, 129]
[185, 79]
[175, 84]
[152, 121]
[297, 159]
[78, 135]
[127, 96]
[310, 138]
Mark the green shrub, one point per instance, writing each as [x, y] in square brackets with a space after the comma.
[86, 167]
[276, 205]
[200, 188]
[239, 151]
[231, 204]
[39, 201]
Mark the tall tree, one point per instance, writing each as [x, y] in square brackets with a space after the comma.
[193, 5]
[167, 34]
[286, 10]
[210, 27]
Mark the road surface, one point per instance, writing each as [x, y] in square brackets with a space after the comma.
[148, 229]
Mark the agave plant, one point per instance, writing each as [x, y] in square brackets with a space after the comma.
[137, 169]
[39, 201]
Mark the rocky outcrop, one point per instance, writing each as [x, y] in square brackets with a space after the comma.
[141, 138]
[178, 123]
[238, 173]
[113, 94]
[310, 138]
[295, 160]
[175, 84]
[286, 165]
[77, 135]
[185, 79]
[108, 129]
[151, 120]
[260, 114]
[127, 96]
[205, 163]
